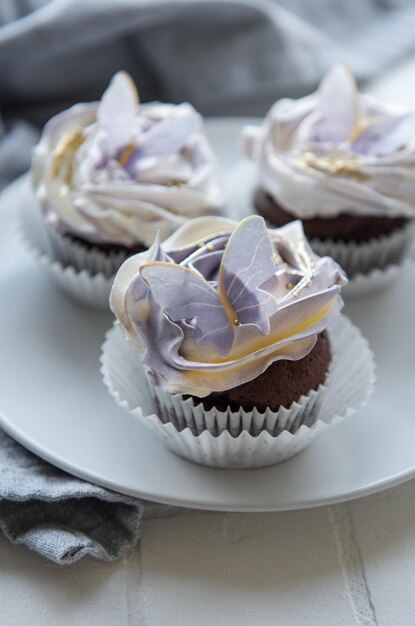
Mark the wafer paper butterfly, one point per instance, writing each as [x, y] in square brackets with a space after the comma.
[215, 309]
[345, 119]
[116, 117]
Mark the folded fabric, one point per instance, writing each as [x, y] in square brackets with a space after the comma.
[59, 516]
[225, 57]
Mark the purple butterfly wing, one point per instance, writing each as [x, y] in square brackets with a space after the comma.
[338, 105]
[247, 264]
[385, 136]
[184, 295]
[168, 136]
[139, 289]
[117, 110]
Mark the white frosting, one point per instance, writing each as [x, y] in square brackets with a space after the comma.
[217, 302]
[336, 151]
[118, 172]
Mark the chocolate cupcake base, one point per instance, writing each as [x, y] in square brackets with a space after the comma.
[109, 248]
[282, 383]
[293, 389]
[345, 227]
[71, 251]
[360, 245]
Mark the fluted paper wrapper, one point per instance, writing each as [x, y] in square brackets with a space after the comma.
[371, 266]
[85, 275]
[376, 254]
[349, 385]
[70, 252]
[376, 281]
[185, 413]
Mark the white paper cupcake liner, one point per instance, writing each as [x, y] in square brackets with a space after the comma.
[348, 388]
[70, 252]
[90, 287]
[376, 281]
[361, 258]
[371, 266]
[184, 413]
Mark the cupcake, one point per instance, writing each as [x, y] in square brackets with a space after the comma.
[109, 175]
[341, 162]
[230, 323]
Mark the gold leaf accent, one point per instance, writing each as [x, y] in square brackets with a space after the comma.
[65, 150]
[126, 153]
[63, 191]
[348, 167]
[174, 183]
[355, 132]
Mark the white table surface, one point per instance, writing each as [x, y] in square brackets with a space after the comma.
[350, 564]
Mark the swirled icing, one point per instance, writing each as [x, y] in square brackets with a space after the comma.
[336, 151]
[117, 172]
[215, 304]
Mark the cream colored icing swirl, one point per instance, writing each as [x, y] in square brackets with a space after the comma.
[117, 172]
[336, 151]
[215, 304]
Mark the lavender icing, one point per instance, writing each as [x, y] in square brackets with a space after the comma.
[118, 172]
[336, 151]
[216, 303]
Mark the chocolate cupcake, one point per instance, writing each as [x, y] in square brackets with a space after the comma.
[109, 175]
[342, 163]
[231, 323]
[282, 383]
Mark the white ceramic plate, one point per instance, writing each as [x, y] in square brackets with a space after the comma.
[53, 401]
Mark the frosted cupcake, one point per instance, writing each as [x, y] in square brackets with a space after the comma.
[341, 162]
[230, 322]
[109, 175]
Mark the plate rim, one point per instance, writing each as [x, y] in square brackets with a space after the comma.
[50, 457]
[77, 469]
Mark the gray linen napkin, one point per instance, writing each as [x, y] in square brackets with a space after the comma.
[224, 56]
[59, 516]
